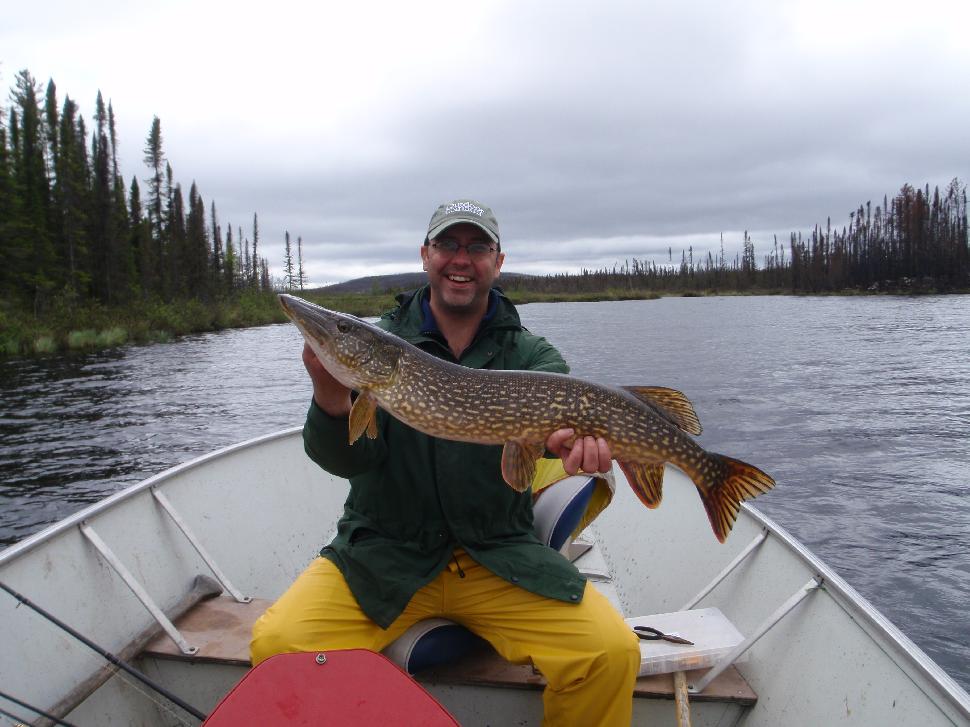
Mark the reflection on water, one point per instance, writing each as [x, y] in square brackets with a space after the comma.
[859, 407]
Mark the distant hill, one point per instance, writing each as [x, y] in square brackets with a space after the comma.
[384, 283]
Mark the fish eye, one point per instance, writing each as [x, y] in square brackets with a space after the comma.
[343, 326]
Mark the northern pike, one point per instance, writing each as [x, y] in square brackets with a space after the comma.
[645, 426]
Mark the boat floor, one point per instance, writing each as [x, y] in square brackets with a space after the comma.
[221, 629]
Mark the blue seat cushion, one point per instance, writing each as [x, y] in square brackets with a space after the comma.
[430, 643]
[559, 509]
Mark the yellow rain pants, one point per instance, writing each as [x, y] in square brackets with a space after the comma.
[586, 652]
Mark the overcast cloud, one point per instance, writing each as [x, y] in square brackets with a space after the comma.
[597, 132]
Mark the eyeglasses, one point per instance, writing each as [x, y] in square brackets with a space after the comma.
[475, 250]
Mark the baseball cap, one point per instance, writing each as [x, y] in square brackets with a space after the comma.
[463, 210]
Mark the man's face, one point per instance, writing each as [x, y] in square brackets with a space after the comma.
[460, 281]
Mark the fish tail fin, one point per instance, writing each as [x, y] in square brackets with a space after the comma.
[731, 483]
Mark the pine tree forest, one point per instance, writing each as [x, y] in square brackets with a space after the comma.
[73, 231]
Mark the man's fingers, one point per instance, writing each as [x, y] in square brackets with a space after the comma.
[557, 439]
[605, 455]
[574, 460]
[590, 455]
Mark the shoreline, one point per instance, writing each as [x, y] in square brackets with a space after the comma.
[94, 328]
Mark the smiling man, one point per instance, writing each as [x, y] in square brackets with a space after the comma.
[463, 258]
[431, 529]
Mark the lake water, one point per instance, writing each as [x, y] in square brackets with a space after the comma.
[859, 407]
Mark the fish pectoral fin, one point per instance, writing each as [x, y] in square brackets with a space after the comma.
[363, 417]
[671, 403]
[647, 481]
[519, 463]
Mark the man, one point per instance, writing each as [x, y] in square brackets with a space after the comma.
[431, 529]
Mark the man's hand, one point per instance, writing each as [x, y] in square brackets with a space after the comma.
[329, 394]
[586, 453]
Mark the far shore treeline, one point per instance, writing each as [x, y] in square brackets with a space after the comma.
[88, 260]
[915, 242]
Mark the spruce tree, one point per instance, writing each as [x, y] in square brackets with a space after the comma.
[103, 237]
[155, 159]
[71, 197]
[32, 185]
[172, 240]
[217, 253]
[299, 257]
[229, 268]
[9, 220]
[254, 279]
[113, 138]
[140, 241]
[245, 274]
[196, 262]
[287, 264]
[52, 127]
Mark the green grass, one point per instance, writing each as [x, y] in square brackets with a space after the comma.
[82, 339]
[68, 326]
[44, 344]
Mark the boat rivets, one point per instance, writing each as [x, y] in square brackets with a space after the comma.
[321, 658]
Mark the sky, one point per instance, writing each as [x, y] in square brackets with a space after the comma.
[597, 132]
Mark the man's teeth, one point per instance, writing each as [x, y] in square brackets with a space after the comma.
[459, 278]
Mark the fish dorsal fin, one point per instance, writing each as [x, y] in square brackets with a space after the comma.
[363, 417]
[647, 481]
[671, 403]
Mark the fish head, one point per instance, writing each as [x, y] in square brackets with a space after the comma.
[357, 353]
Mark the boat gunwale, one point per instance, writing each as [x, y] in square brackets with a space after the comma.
[32, 541]
[831, 581]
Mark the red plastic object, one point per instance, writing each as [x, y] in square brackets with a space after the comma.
[343, 687]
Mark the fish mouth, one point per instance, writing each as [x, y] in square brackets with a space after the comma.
[311, 319]
[289, 303]
[295, 307]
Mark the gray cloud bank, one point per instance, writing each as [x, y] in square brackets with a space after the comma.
[595, 134]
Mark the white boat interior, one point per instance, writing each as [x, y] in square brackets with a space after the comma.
[137, 573]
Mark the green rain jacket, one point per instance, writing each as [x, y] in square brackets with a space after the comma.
[414, 499]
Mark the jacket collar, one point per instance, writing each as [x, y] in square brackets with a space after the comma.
[429, 326]
[409, 322]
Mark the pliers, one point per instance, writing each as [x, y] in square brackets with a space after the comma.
[649, 633]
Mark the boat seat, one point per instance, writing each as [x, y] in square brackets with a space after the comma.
[222, 627]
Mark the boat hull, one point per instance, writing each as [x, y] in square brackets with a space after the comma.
[262, 510]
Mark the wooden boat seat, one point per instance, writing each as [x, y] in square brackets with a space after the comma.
[221, 629]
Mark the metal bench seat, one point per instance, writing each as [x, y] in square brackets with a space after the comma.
[221, 629]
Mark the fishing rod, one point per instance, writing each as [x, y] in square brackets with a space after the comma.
[105, 653]
[32, 708]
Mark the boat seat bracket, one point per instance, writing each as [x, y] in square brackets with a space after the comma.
[199, 548]
[140, 593]
[738, 560]
[728, 659]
